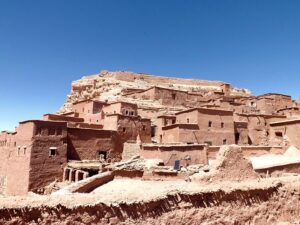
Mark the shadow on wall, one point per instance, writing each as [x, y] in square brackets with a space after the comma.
[71, 151]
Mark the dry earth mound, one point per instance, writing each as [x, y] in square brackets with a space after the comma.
[230, 165]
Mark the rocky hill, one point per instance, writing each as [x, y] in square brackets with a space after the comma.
[111, 86]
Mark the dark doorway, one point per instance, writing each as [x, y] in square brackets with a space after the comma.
[102, 155]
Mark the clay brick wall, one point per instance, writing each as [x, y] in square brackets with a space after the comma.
[129, 76]
[121, 108]
[90, 111]
[162, 122]
[47, 166]
[129, 127]
[266, 105]
[148, 94]
[270, 103]
[27, 153]
[84, 144]
[16, 154]
[215, 127]
[285, 134]
[241, 133]
[170, 135]
[55, 117]
[248, 151]
[257, 128]
[171, 97]
[111, 122]
[197, 153]
[130, 150]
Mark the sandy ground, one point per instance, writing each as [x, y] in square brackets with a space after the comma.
[135, 189]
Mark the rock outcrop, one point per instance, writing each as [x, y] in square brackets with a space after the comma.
[111, 86]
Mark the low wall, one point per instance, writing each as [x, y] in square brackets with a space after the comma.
[87, 185]
[280, 170]
[248, 151]
[269, 205]
[130, 150]
[187, 154]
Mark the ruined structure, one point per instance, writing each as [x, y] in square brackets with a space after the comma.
[177, 124]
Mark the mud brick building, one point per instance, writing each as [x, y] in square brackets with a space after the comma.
[198, 125]
[112, 116]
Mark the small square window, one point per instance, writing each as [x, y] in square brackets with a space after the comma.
[52, 151]
[102, 155]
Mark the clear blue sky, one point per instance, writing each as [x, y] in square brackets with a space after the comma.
[44, 45]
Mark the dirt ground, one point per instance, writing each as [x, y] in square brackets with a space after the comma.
[134, 201]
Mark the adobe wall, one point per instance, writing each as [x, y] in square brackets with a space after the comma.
[289, 134]
[169, 134]
[241, 133]
[290, 112]
[83, 107]
[14, 169]
[56, 117]
[171, 97]
[45, 167]
[283, 101]
[134, 127]
[111, 122]
[187, 117]
[162, 122]
[257, 128]
[84, 144]
[266, 105]
[216, 127]
[148, 94]
[270, 103]
[129, 127]
[90, 111]
[196, 153]
[280, 170]
[130, 150]
[149, 113]
[123, 108]
[248, 151]
[132, 77]
[94, 118]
